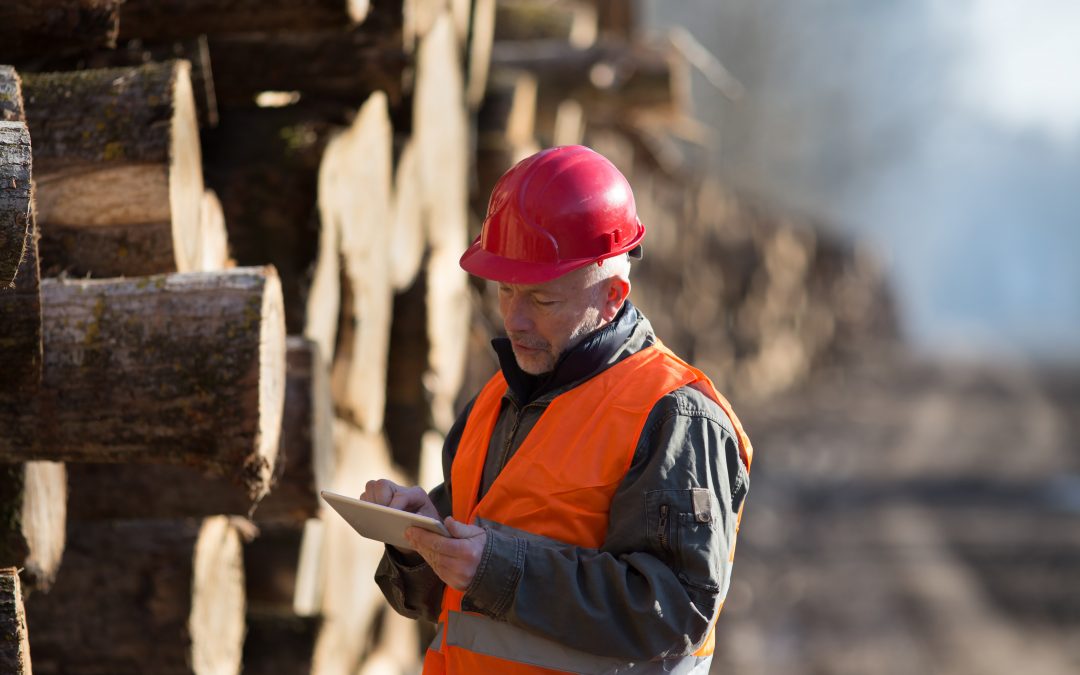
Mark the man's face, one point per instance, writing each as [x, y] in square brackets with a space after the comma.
[544, 320]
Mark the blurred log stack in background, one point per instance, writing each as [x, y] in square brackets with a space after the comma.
[234, 283]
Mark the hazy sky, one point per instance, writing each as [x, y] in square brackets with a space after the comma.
[946, 133]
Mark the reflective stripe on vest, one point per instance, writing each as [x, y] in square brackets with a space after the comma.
[559, 484]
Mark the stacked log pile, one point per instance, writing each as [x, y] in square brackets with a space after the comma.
[158, 372]
[233, 282]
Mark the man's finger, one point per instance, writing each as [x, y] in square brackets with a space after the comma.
[462, 530]
[425, 540]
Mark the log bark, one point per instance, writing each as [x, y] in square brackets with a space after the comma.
[33, 511]
[280, 644]
[342, 66]
[304, 464]
[14, 643]
[263, 165]
[408, 409]
[15, 189]
[354, 194]
[609, 78]
[158, 20]
[143, 596]
[138, 53]
[11, 103]
[118, 169]
[160, 491]
[34, 27]
[272, 561]
[572, 23]
[617, 19]
[32, 495]
[184, 369]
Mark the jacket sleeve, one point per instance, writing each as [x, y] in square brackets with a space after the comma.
[410, 585]
[653, 588]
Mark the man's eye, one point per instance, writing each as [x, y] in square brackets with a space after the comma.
[545, 303]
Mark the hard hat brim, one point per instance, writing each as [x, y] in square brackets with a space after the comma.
[487, 265]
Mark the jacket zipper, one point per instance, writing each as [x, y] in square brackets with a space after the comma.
[662, 530]
[505, 456]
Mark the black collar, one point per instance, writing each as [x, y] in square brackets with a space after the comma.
[594, 353]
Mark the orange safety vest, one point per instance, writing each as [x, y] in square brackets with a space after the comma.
[559, 484]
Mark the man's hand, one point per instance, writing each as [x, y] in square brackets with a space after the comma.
[388, 493]
[454, 560]
[412, 499]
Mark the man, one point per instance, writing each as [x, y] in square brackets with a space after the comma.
[593, 487]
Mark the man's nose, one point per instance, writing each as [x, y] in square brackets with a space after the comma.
[516, 315]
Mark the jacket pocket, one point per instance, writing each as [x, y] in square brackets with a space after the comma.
[684, 528]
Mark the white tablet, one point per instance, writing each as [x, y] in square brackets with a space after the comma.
[381, 523]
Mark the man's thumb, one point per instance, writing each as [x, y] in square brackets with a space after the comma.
[460, 530]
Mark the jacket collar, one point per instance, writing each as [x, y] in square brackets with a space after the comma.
[627, 334]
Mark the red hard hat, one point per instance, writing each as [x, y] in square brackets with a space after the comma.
[552, 213]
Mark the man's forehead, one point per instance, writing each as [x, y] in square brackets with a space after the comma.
[568, 283]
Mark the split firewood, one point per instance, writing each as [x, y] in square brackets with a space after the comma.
[186, 368]
[117, 168]
[144, 596]
[158, 20]
[36, 27]
[14, 198]
[14, 643]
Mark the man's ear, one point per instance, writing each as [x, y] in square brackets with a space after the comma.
[617, 291]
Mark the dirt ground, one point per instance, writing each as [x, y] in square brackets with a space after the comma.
[911, 517]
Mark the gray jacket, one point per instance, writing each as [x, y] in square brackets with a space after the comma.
[652, 589]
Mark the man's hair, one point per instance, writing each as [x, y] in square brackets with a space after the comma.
[615, 266]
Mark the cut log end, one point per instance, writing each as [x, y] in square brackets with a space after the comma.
[217, 604]
[185, 173]
[44, 518]
[214, 244]
[271, 377]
